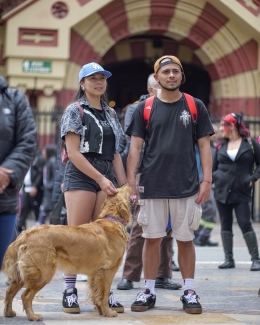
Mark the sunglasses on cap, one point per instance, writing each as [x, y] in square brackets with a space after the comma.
[237, 117]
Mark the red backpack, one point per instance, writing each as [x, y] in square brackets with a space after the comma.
[63, 152]
[190, 103]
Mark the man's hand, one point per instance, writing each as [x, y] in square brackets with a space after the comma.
[4, 178]
[134, 195]
[33, 191]
[204, 192]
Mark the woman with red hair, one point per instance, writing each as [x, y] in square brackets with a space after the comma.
[234, 175]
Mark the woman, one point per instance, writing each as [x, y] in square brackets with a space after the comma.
[234, 175]
[92, 143]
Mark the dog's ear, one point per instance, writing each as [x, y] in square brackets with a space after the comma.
[123, 210]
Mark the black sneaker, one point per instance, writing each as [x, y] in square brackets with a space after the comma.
[144, 300]
[70, 301]
[190, 302]
[114, 304]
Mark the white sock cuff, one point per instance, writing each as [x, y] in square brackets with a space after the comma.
[150, 284]
[188, 284]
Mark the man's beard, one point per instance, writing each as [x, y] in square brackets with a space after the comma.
[169, 89]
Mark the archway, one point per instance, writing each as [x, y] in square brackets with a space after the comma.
[129, 81]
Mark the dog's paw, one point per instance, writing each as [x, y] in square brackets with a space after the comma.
[9, 313]
[35, 317]
[110, 313]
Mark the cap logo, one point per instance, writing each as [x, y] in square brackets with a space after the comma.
[96, 66]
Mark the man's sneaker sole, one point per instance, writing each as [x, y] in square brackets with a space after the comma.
[141, 308]
[75, 310]
[193, 310]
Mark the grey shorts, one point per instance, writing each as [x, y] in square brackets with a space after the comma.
[74, 179]
[185, 217]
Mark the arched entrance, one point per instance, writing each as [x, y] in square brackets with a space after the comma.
[228, 53]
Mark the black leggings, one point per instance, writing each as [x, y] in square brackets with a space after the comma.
[242, 211]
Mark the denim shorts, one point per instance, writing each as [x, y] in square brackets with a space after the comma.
[74, 179]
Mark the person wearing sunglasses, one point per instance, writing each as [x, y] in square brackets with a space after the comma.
[236, 167]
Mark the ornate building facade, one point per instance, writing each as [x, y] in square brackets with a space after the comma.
[44, 44]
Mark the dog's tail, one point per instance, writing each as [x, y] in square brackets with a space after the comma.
[10, 266]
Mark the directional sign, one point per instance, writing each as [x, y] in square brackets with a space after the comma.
[37, 66]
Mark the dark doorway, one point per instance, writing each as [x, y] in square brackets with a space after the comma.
[129, 81]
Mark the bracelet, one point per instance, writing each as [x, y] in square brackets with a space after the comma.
[99, 179]
[204, 180]
[124, 184]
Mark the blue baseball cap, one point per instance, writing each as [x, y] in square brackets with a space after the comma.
[91, 68]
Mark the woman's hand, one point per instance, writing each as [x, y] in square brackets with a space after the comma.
[107, 186]
[33, 191]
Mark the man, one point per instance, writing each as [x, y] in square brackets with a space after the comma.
[17, 147]
[169, 180]
[133, 262]
[209, 208]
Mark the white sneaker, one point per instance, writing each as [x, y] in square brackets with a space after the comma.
[82, 278]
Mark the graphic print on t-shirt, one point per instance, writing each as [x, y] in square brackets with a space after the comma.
[185, 117]
[104, 123]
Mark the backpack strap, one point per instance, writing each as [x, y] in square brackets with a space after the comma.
[148, 105]
[194, 113]
[189, 100]
[192, 107]
[81, 111]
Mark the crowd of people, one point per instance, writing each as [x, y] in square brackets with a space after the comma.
[175, 197]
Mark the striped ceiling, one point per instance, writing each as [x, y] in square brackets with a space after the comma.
[202, 35]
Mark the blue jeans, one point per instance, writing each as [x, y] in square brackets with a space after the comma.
[7, 228]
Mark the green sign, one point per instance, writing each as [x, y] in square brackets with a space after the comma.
[37, 66]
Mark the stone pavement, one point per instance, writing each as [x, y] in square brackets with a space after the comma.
[227, 296]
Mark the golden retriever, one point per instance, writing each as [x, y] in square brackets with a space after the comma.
[95, 249]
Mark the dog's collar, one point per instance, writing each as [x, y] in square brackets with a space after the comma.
[115, 219]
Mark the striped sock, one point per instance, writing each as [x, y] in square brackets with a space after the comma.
[70, 281]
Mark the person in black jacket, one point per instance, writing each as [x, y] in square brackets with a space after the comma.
[58, 175]
[234, 175]
[17, 147]
[32, 190]
[49, 153]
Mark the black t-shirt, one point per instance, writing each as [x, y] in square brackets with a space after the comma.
[108, 144]
[169, 165]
